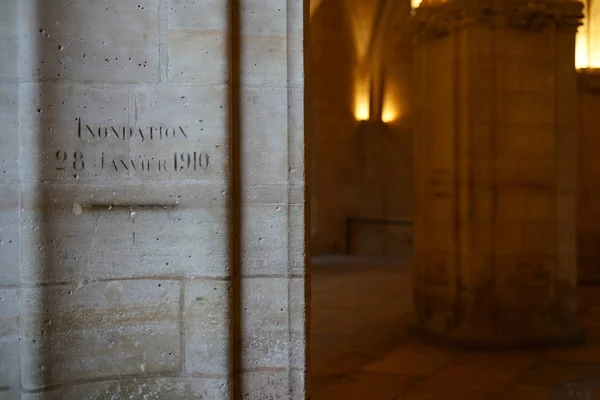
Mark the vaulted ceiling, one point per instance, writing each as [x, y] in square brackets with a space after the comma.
[375, 23]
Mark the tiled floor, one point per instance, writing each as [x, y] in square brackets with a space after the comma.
[360, 350]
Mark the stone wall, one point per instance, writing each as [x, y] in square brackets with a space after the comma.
[9, 203]
[360, 169]
[588, 205]
[152, 199]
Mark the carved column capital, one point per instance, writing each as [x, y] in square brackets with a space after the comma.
[432, 21]
[544, 14]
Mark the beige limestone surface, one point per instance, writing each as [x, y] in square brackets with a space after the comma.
[152, 199]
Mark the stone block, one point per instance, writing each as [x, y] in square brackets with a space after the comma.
[566, 236]
[297, 356]
[265, 239]
[198, 149]
[9, 234]
[209, 15]
[525, 142]
[298, 315]
[436, 265]
[79, 331]
[9, 137]
[525, 207]
[10, 344]
[275, 193]
[524, 277]
[296, 226]
[10, 395]
[566, 147]
[108, 42]
[480, 38]
[202, 26]
[567, 178]
[274, 384]
[532, 46]
[9, 40]
[265, 19]
[481, 136]
[568, 268]
[442, 237]
[569, 103]
[542, 238]
[207, 65]
[60, 126]
[266, 329]
[264, 146]
[296, 146]
[129, 231]
[438, 208]
[522, 176]
[264, 59]
[207, 327]
[161, 388]
[524, 75]
[295, 44]
[508, 238]
[298, 384]
[475, 237]
[199, 25]
[526, 108]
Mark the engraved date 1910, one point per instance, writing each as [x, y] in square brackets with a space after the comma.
[178, 162]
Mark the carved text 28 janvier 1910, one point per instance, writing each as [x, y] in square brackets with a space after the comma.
[185, 160]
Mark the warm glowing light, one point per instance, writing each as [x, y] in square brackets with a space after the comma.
[415, 3]
[389, 114]
[582, 47]
[587, 47]
[581, 50]
[362, 99]
[362, 109]
[390, 110]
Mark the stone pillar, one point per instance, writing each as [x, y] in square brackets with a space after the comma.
[152, 200]
[10, 312]
[588, 204]
[495, 168]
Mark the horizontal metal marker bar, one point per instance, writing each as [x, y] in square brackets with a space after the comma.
[108, 206]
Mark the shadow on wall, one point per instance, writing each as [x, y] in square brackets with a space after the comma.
[70, 336]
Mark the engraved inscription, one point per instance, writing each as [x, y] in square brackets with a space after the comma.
[128, 132]
[180, 162]
[87, 157]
